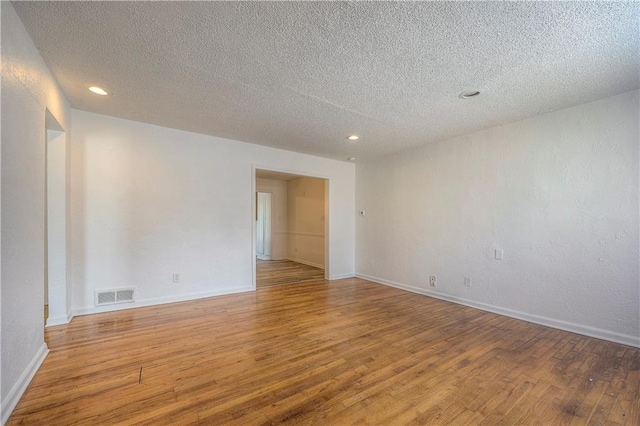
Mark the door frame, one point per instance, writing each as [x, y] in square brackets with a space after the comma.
[327, 219]
[57, 196]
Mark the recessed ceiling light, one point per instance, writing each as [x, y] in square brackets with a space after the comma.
[98, 90]
[469, 94]
[353, 137]
[351, 159]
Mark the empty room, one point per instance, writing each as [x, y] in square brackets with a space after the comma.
[320, 213]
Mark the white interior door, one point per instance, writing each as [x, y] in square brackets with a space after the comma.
[263, 226]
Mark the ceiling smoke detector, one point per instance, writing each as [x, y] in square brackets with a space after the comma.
[469, 94]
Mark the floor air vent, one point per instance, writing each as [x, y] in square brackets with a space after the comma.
[110, 297]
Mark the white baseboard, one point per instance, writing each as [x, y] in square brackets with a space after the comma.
[14, 395]
[59, 320]
[341, 276]
[612, 336]
[158, 301]
[306, 262]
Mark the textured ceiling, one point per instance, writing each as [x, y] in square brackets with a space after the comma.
[304, 75]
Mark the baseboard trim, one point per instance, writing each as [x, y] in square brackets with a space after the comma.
[598, 333]
[14, 395]
[341, 276]
[159, 301]
[305, 262]
[59, 320]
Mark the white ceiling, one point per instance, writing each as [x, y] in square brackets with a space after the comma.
[303, 75]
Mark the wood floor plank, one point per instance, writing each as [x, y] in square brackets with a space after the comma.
[282, 272]
[317, 352]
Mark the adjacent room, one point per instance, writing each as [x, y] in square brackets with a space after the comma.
[291, 223]
[325, 213]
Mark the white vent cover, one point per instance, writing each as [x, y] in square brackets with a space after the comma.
[113, 296]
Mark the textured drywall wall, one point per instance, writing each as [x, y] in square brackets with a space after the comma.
[278, 190]
[306, 221]
[558, 193]
[155, 201]
[28, 89]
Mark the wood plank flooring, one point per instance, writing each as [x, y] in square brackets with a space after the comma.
[281, 272]
[330, 353]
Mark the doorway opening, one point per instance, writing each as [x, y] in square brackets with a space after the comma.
[55, 284]
[263, 226]
[291, 228]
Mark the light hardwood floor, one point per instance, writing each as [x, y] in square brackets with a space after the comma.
[330, 353]
[281, 272]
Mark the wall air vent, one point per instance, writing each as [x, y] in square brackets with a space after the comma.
[113, 296]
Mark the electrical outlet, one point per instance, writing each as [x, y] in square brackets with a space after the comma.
[467, 282]
[176, 278]
[499, 254]
[432, 280]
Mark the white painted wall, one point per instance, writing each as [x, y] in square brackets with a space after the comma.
[56, 219]
[152, 201]
[28, 89]
[306, 217]
[557, 192]
[278, 190]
